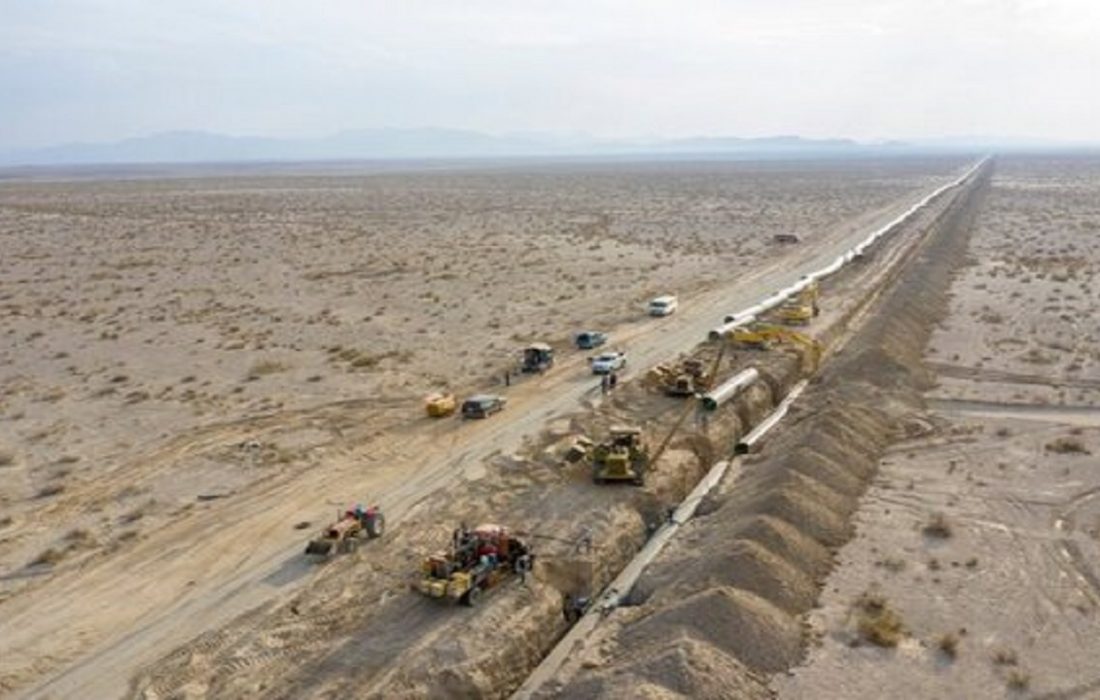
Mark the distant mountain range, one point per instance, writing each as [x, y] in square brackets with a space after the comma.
[388, 144]
[424, 143]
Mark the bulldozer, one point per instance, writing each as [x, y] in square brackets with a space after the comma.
[622, 458]
[350, 528]
[764, 336]
[802, 308]
[478, 560]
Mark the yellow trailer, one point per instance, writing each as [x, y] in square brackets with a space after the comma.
[440, 404]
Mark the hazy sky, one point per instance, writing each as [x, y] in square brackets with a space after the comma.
[107, 69]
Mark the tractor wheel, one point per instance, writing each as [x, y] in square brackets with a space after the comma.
[376, 526]
[472, 597]
[351, 544]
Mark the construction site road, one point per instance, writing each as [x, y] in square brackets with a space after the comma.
[128, 610]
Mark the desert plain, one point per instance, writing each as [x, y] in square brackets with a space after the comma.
[196, 371]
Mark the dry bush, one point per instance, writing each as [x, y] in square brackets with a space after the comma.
[877, 622]
[1067, 445]
[364, 361]
[1018, 680]
[7, 458]
[1005, 657]
[50, 490]
[48, 557]
[938, 527]
[949, 644]
[265, 367]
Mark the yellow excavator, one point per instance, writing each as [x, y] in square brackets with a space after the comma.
[763, 336]
[800, 309]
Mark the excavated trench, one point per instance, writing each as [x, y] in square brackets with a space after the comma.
[720, 606]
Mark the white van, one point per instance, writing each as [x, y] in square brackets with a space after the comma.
[662, 306]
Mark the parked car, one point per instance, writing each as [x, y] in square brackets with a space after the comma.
[482, 405]
[587, 340]
[662, 306]
[608, 362]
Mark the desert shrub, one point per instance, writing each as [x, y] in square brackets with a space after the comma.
[1005, 657]
[364, 360]
[264, 367]
[50, 490]
[938, 527]
[1019, 680]
[7, 458]
[948, 644]
[877, 622]
[48, 557]
[1067, 445]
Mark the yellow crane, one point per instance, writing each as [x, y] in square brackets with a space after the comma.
[800, 309]
[763, 336]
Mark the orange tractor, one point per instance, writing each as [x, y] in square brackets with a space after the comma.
[352, 527]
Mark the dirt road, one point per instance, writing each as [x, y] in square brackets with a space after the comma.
[200, 572]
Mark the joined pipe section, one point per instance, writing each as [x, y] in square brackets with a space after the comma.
[748, 315]
[729, 388]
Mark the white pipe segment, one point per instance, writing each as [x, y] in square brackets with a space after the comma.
[741, 318]
[729, 388]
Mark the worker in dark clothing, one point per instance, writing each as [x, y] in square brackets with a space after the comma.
[613, 379]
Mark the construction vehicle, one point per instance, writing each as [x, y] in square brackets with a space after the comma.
[802, 308]
[351, 527]
[687, 378]
[692, 378]
[764, 336]
[622, 458]
[537, 357]
[478, 560]
[440, 404]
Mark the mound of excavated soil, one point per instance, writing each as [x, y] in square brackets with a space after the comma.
[786, 541]
[737, 622]
[683, 668]
[743, 564]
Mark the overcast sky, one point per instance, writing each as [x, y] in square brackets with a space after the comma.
[867, 69]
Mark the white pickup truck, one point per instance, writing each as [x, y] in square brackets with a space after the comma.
[608, 362]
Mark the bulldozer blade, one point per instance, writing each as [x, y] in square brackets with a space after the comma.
[319, 547]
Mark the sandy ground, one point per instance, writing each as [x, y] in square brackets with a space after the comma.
[358, 630]
[981, 534]
[190, 367]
